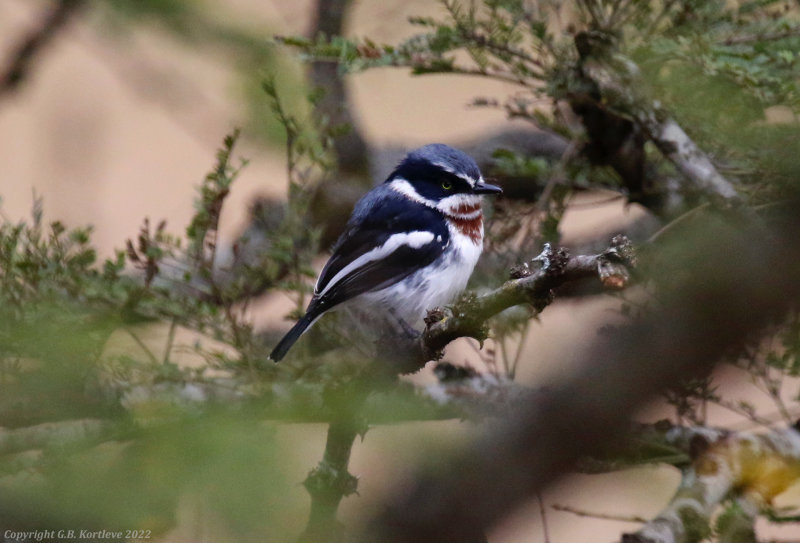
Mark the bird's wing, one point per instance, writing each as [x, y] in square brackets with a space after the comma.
[387, 239]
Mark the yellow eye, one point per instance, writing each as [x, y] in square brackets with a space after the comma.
[447, 185]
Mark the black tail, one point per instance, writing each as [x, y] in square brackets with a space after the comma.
[291, 336]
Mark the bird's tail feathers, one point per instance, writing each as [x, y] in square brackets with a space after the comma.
[291, 336]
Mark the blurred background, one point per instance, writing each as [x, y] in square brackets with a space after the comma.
[119, 118]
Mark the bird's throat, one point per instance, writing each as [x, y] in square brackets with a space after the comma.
[467, 219]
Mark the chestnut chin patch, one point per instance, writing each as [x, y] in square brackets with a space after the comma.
[468, 220]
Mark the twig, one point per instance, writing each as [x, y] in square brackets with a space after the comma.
[602, 516]
[170, 340]
[520, 348]
[31, 46]
[595, 203]
[751, 38]
[751, 416]
[676, 221]
[502, 48]
[543, 515]
[665, 9]
[143, 346]
[330, 481]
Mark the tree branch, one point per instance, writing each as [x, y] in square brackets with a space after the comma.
[617, 119]
[455, 395]
[467, 318]
[754, 468]
[49, 434]
[333, 200]
[681, 150]
[31, 46]
[736, 283]
[330, 482]
[770, 36]
[351, 150]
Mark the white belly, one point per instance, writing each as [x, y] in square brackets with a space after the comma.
[436, 285]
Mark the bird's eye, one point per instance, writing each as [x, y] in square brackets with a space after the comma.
[447, 185]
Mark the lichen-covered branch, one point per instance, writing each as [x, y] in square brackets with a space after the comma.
[749, 469]
[50, 434]
[453, 396]
[605, 91]
[683, 152]
[530, 284]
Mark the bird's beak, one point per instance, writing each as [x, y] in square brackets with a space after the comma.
[485, 188]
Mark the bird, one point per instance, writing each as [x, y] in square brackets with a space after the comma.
[410, 245]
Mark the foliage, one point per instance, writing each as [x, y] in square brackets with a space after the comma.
[625, 69]
[737, 61]
[713, 66]
[68, 386]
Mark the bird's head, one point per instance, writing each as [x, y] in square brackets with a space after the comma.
[442, 177]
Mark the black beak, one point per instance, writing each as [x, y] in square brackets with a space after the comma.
[485, 188]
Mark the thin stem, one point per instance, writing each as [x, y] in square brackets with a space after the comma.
[737, 40]
[170, 340]
[143, 346]
[593, 10]
[500, 76]
[602, 516]
[598, 202]
[622, 15]
[543, 514]
[506, 363]
[730, 406]
[679, 219]
[520, 347]
[773, 389]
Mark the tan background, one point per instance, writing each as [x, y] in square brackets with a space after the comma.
[110, 130]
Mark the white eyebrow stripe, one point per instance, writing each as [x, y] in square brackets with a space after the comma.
[407, 189]
[466, 178]
[415, 240]
[450, 170]
[445, 167]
